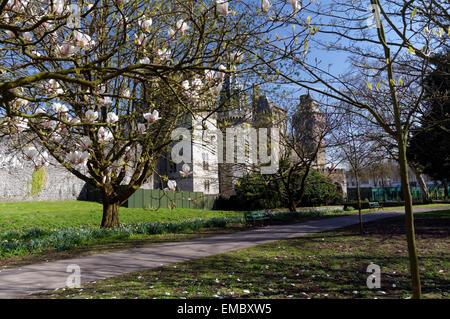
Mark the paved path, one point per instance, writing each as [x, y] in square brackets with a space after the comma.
[17, 282]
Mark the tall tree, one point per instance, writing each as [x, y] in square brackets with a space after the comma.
[429, 146]
[374, 40]
[101, 87]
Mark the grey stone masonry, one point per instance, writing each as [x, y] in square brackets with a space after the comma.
[16, 176]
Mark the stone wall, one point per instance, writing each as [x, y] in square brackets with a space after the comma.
[16, 176]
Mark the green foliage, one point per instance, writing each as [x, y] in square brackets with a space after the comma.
[257, 191]
[38, 181]
[430, 144]
[319, 190]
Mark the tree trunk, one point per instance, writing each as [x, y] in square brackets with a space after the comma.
[426, 198]
[358, 194]
[292, 206]
[110, 214]
[409, 222]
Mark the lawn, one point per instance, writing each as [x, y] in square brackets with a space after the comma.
[20, 216]
[37, 244]
[327, 265]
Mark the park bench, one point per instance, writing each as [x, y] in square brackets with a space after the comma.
[375, 205]
[251, 218]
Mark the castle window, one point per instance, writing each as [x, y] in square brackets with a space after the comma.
[205, 161]
[206, 184]
[172, 167]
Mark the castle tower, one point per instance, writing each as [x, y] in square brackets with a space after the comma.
[308, 125]
[234, 112]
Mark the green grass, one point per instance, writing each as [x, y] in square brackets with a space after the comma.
[48, 243]
[20, 216]
[327, 265]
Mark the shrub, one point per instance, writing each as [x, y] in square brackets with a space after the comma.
[258, 191]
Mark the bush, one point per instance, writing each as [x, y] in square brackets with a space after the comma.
[258, 191]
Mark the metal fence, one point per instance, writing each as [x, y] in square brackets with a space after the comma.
[158, 198]
[395, 193]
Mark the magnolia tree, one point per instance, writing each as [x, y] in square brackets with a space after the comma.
[99, 86]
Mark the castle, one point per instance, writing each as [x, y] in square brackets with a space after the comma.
[210, 145]
[212, 174]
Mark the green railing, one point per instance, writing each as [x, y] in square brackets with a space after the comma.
[395, 193]
[158, 198]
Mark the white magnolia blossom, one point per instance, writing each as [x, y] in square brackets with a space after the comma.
[141, 128]
[171, 184]
[85, 143]
[53, 87]
[197, 83]
[152, 116]
[265, 5]
[210, 75]
[60, 108]
[193, 96]
[105, 101]
[222, 7]
[111, 118]
[91, 115]
[104, 135]
[100, 89]
[41, 160]
[49, 124]
[40, 110]
[6, 18]
[67, 49]
[75, 120]
[164, 54]
[30, 152]
[77, 157]
[126, 93]
[58, 7]
[144, 61]
[294, 5]
[185, 170]
[55, 137]
[145, 24]
[185, 84]
[21, 102]
[28, 36]
[222, 74]
[83, 40]
[182, 26]
[10, 34]
[141, 40]
[170, 33]
[236, 57]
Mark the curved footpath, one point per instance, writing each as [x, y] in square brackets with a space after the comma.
[18, 282]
